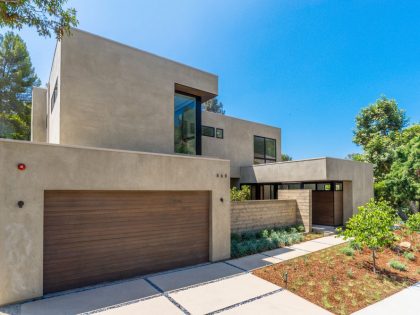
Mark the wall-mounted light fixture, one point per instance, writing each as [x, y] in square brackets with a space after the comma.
[221, 199]
[20, 204]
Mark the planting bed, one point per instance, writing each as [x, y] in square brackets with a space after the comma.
[342, 281]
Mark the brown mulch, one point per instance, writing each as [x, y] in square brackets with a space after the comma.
[344, 284]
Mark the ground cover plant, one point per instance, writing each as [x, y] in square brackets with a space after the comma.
[341, 279]
[249, 243]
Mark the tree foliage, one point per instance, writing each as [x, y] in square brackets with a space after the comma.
[17, 77]
[286, 157]
[242, 194]
[381, 130]
[372, 227]
[214, 106]
[47, 16]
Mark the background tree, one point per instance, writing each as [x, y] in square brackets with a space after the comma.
[285, 157]
[47, 16]
[214, 106]
[372, 227]
[377, 129]
[17, 77]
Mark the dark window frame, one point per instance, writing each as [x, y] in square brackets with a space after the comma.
[54, 95]
[266, 160]
[223, 133]
[203, 127]
[198, 131]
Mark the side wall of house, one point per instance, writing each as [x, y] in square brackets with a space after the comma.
[52, 167]
[39, 115]
[237, 144]
[115, 96]
[54, 110]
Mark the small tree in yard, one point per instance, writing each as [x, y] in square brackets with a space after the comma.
[372, 227]
[240, 194]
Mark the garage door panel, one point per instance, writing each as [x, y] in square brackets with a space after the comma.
[96, 236]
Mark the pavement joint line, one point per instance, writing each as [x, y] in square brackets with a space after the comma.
[245, 302]
[165, 294]
[228, 263]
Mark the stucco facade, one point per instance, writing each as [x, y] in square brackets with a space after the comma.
[57, 167]
[357, 177]
[237, 144]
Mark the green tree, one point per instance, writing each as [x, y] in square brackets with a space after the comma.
[47, 16]
[286, 157]
[17, 77]
[378, 127]
[372, 226]
[242, 194]
[402, 184]
[214, 106]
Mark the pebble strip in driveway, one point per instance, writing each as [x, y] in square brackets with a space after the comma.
[223, 287]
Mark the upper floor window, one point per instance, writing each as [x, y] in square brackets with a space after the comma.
[264, 150]
[219, 133]
[207, 131]
[54, 95]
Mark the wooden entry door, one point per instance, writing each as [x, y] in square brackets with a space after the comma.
[327, 207]
[97, 236]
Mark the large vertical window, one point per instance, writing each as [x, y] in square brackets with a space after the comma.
[264, 150]
[187, 124]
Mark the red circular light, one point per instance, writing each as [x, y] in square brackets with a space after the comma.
[21, 166]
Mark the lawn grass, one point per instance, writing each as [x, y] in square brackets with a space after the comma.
[254, 242]
[343, 283]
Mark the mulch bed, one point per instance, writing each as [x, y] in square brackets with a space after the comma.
[344, 284]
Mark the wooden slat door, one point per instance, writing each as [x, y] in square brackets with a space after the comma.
[97, 236]
[323, 207]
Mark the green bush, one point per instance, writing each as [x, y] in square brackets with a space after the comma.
[249, 243]
[413, 222]
[242, 194]
[354, 245]
[348, 251]
[301, 228]
[410, 256]
[398, 265]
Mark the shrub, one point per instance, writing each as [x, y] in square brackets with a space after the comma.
[242, 194]
[410, 256]
[354, 245]
[372, 226]
[398, 265]
[413, 222]
[301, 228]
[248, 236]
[348, 251]
[235, 237]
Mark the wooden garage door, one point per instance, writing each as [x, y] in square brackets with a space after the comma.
[96, 236]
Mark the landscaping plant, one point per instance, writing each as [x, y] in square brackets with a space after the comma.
[413, 222]
[372, 227]
[398, 265]
[242, 194]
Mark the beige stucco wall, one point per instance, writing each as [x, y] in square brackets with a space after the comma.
[116, 96]
[238, 143]
[357, 177]
[255, 215]
[303, 199]
[39, 115]
[63, 167]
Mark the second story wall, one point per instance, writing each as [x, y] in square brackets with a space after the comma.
[237, 144]
[115, 96]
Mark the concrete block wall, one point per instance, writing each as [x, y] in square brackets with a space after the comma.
[255, 215]
[303, 199]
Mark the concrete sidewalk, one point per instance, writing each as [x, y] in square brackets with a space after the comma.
[223, 287]
[404, 302]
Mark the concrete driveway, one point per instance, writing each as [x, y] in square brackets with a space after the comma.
[224, 287]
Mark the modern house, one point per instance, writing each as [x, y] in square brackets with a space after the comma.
[123, 160]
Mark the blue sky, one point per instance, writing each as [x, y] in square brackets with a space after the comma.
[305, 66]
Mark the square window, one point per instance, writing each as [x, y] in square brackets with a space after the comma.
[219, 133]
[207, 131]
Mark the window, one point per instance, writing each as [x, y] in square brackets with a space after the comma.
[294, 186]
[338, 186]
[309, 186]
[54, 95]
[207, 131]
[323, 186]
[264, 150]
[219, 133]
[187, 123]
